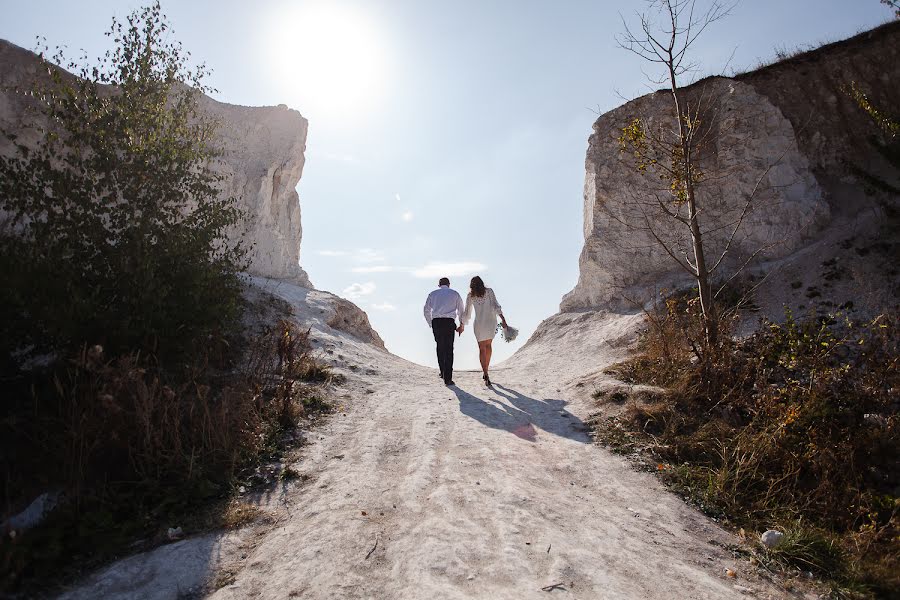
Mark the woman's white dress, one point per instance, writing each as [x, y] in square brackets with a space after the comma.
[486, 310]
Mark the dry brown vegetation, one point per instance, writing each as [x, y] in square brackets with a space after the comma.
[796, 428]
[136, 448]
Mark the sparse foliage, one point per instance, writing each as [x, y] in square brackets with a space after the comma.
[894, 5]
[888, 124]
[671, 151]
[795, 427]
[114, 227]
[135, 446]
[885, 140]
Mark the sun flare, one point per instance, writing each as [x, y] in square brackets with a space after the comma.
[328, 59]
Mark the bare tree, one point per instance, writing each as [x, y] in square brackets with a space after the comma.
[666, 33]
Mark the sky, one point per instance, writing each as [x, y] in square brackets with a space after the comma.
[445, 138]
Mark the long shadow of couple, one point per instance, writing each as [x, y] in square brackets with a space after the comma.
[519, 414]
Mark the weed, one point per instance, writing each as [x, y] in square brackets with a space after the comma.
[238, 514]
[796, 426]
[138, 447]
[289, 474]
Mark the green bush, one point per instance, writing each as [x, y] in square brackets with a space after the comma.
[128, 385]
[114, 228]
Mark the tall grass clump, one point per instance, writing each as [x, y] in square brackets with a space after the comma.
[133, 448]
[796, 427]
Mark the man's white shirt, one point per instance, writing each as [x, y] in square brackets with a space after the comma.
[444, 303]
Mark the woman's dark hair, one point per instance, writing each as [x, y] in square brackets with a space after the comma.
[477, 287]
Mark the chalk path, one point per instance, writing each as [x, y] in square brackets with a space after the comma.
[416, 490]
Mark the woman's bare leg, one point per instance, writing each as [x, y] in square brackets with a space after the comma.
[483, 355]
[488, 350]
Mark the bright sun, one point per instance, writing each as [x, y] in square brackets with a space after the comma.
[329, 59]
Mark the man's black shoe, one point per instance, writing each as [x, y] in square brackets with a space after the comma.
[449, 383]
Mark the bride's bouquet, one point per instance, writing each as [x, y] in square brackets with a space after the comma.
[509, 333]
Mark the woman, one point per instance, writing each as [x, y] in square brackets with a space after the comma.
[487, 309]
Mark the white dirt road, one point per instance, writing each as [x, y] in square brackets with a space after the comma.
[416, 490]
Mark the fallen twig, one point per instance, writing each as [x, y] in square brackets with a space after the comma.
[373, 549]
[555, 586]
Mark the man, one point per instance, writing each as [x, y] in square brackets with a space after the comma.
[442, 307]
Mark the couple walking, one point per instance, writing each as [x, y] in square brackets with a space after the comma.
[444, 305]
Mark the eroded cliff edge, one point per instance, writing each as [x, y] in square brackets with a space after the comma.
[262, 163]
[790, 125]
[830, 241]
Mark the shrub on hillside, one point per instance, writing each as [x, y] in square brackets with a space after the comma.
[128, 386]
[113, 226]
[798, 424]
[135, 448]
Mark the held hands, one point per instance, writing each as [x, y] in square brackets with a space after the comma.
[460, 329]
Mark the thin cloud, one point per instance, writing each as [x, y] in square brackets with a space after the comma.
[397, 196]
[458, 269]
[369, 255]
[361, 255]
[407, 216]
[359, 290]
[385, 306]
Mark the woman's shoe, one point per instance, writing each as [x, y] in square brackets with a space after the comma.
[487, 380]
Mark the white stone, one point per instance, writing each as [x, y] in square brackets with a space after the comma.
[34, 515]
[771, 538]
[262, 164]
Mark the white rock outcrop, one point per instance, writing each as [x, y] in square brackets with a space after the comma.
[793, 127]
[622, 263]
[262, 163]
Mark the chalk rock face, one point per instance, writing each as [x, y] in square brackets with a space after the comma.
[791, 126]
[262, 163]
[349, 318]
[754, 156]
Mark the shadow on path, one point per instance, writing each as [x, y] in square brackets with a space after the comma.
[520, 415]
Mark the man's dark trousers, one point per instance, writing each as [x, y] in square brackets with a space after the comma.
[443, 334]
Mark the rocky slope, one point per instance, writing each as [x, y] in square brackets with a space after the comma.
[790, 135]
[262, 163]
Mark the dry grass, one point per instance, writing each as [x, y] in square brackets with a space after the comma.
[136, 447]
[238, 514]
[796, 428]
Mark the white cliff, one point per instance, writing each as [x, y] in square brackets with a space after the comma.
[262, 163]
[790, 126]
[621, 261]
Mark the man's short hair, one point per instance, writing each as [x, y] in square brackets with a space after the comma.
[444, 281]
